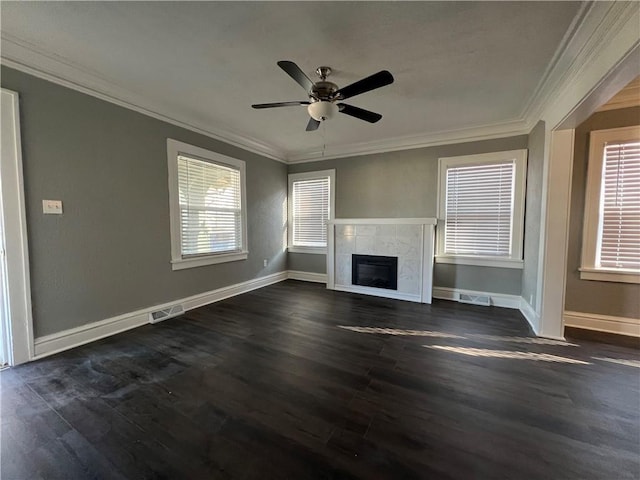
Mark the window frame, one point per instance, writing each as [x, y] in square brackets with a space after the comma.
[515, 260]
[176, 148]
[296, 177]
[591, 223]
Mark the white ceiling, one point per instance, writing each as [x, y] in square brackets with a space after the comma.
[459, 67]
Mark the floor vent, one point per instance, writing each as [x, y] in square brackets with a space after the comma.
[475, 299]
[165, 313]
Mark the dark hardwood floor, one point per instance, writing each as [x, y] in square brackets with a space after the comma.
[294, 381]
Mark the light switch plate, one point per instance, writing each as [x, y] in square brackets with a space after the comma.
[52, 207]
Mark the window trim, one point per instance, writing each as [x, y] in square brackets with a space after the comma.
[295, 177]
[591, 223]
[178, 262]
[517, 219]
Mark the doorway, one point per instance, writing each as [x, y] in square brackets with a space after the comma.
[561, 122]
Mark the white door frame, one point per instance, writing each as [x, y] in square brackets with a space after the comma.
[20, 324]
[605, 67]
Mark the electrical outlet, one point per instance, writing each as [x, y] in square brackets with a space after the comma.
[265, 262]
[52, 207]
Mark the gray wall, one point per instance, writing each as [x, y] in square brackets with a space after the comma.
[109, 253]
[535, 165]
[589, 296]
[405, 184]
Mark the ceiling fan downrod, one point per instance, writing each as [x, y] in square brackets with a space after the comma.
[323, 72]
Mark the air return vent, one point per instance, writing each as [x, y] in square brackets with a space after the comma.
[165, 313]
[475, 299]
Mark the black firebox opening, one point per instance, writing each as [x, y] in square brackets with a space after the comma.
[375, 271]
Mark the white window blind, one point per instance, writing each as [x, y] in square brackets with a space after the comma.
[310, 212]
[479, 209]
[619, 236]
[210, 207]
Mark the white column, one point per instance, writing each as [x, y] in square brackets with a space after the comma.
[555, 231]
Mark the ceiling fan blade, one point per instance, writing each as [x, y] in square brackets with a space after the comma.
[372, 82]
[362, 114]
[279, 104]
[313, 124]
[298, 75]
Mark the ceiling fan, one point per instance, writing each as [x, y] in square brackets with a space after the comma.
[325, 97]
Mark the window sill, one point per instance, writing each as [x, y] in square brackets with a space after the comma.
[609, 275]
[313, 250]
[192, 262]
[480, 261]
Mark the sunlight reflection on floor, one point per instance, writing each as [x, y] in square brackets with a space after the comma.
[430, 333]
[483, 352]
[621, 361]
[399, 332]
[531, 340]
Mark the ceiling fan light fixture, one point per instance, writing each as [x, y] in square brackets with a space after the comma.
[322, 110]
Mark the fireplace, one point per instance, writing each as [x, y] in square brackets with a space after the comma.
[359, 251]
[375, 271]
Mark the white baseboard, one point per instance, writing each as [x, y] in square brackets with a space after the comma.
[213, 296]
[307, 276]
[60, 341]
[74, 337]
[497, 299]
[530, 315]
[603, 323]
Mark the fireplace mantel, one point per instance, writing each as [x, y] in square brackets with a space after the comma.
[409, 239]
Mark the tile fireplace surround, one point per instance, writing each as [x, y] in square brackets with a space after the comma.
[409, 239]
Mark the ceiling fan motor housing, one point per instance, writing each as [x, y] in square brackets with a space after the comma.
[323, 90]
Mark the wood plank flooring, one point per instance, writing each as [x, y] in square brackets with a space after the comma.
[294, 381]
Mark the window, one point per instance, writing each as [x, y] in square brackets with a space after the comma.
[611, 240]
[311, 205]
[481, 209]
[207, 207]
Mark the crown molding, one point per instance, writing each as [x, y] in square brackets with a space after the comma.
[601, 37]
[28, 58]
[596, 26]
[410, 142]
[560, 62]
[34, 60]
[602, 33]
